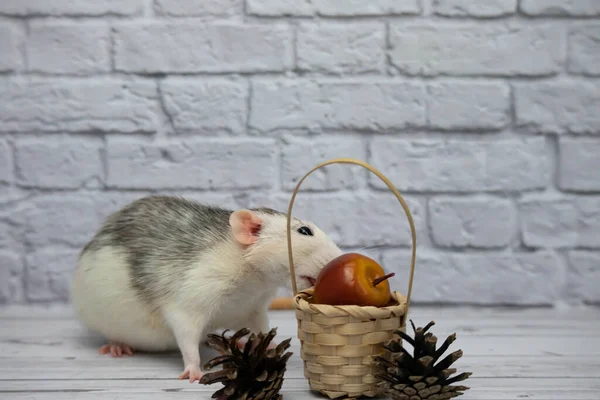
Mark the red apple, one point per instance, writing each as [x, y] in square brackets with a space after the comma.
[353, 279]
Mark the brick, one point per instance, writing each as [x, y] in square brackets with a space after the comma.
[558, 107]
[374, 7]
[72, 7]
[461, 166]
[11, 39]
[579, 164]
[573, 8]
[354, 219]
[198, 164]
[432, 49]
[548, 223]
[68, 48]
[470, 8]
[192, 47]
[301, 155]
[588, 228]
[333, 7]
[280, 7]
[11, 277]
[584, 276]
[68, 220]
[192, 8]
[561, 222]
[5, 162]
[11, 230]
[479, 279]
[460, 105]
[49, 274]
[7, 237]
[584, 50]
[196, 105]
[68, 105]
[54, 219]
[472, 222]
[61, 163]
[11, 195]
[372, 105]
[339, 49]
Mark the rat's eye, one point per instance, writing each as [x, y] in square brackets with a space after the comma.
[305, 231]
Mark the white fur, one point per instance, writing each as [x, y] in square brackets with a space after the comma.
[105, 303]
[228, 287]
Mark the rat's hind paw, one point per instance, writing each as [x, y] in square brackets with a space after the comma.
[116, 349]
[242, 342]
[192, 372]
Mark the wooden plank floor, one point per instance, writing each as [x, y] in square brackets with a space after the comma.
[534, 354]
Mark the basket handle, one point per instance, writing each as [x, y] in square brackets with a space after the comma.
[390, 186]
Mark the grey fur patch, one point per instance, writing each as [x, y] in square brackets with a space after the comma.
[161, 237]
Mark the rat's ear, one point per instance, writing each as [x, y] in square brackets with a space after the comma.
[245, 226]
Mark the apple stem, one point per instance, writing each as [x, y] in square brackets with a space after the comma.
[383, 278]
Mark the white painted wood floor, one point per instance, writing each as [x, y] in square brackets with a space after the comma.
[535, 354]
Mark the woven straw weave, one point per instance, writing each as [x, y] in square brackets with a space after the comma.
[339, 342]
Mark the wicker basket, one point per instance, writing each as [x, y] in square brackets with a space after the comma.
[339, 342]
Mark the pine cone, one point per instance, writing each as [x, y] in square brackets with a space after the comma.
[416, 377]
[252, 374]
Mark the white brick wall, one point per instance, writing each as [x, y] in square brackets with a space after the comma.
[484, 113]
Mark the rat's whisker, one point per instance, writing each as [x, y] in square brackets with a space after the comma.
[365, 248]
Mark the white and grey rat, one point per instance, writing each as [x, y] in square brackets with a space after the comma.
[164, 271]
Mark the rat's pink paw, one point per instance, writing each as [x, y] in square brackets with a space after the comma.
[242, 342]
[192, 372]
[116, 349]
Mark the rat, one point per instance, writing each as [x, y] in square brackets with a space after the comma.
[163, 271]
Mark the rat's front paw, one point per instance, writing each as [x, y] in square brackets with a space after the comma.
[192, 372]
